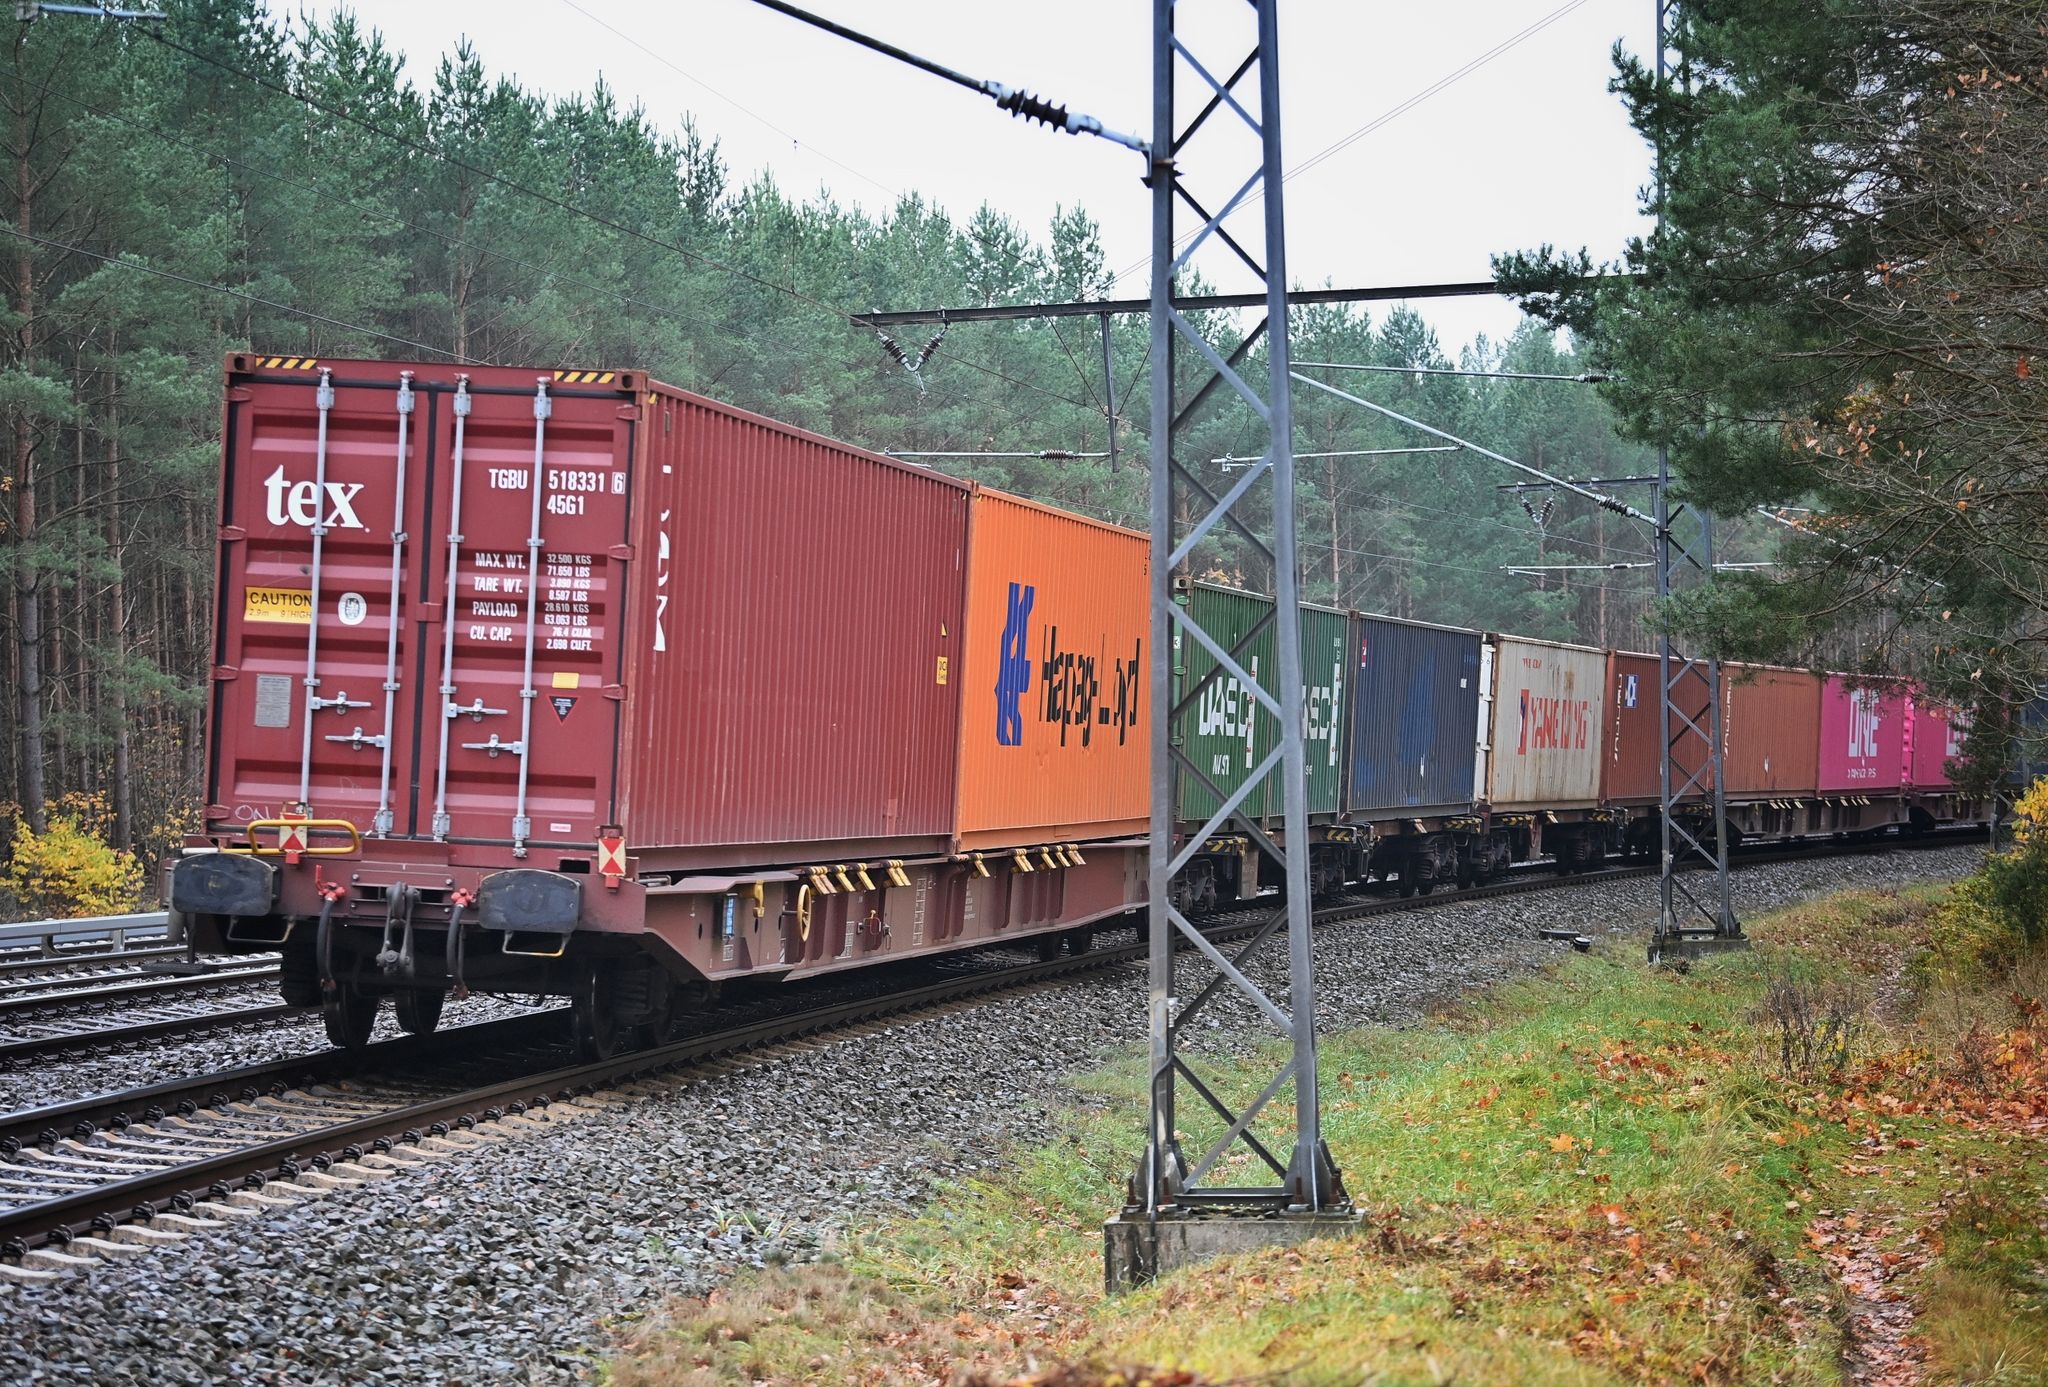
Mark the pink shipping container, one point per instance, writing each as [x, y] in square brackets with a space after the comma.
[1862, 736]
[1936, 738]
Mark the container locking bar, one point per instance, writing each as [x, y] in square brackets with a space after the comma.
[475, 712]
[494, 746]
[341, 702]
[522, 825]
[380, 826]
[323, 398]
[449, 580]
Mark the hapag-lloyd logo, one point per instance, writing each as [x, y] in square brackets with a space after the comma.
[299, 503]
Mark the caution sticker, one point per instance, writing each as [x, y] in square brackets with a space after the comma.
[292, 606]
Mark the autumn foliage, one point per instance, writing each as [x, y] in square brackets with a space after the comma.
[69, 871]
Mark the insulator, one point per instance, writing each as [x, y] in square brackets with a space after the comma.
[1022, 103]
[896, 353]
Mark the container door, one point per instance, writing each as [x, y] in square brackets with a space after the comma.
[313, 683]
[527, 589]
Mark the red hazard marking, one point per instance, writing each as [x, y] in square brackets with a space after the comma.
[611, 856]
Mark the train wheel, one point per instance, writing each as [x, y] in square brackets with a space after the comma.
[350, 1015]
[1048, 947]
[1079, 941]
[418, 1011]
[594, 1013]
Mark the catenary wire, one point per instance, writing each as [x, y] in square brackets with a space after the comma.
[1392, 113]
[1015, 260]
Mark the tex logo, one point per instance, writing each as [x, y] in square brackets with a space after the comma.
[287, 502]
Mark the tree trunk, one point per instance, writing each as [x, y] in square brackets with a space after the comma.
[117, 629]
[28, 597]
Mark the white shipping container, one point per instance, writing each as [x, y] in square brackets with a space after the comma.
[1548, 725]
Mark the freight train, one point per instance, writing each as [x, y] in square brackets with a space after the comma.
[572, 683]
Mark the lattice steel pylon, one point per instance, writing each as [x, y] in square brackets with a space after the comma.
[1692, 791]
[1305, 1181]
[1691, 783]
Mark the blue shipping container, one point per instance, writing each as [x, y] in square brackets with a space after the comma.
[1414, 719]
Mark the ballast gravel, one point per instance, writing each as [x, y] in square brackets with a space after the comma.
[519, 1263]
[51, 1079]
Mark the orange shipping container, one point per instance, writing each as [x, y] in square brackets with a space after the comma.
[1053, 747]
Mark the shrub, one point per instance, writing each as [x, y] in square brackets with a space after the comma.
[69, 871]
[1994, 918]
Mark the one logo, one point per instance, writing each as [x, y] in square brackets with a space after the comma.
[1628, 692]
[1862, 725]
[299, 503]
[1013, 666]
[562, 707]
[351, 609]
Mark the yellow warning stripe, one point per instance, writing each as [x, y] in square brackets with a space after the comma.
[586, 377]
[288, 363]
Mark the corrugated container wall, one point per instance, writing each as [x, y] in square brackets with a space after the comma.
[1770, 729]
[1937, 737]
[1549, 720]
[1635, 735]
[1228, 733]
[1053, 681]
[1414, 718]
[1863, 731]
[798, 625]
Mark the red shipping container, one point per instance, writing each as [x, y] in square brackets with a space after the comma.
[1935, 737]
[1862, 736]
[1770, 731]
[737, 644]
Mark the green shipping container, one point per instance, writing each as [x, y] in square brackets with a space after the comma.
[1228, 732]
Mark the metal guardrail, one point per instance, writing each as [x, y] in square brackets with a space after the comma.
[113, 930]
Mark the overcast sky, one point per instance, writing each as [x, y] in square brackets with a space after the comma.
[1526, 147]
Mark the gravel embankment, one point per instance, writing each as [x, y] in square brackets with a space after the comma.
[518, 1264]
[61, 1078]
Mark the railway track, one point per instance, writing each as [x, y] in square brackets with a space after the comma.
[129, 986]
[75, 1037]
[106, 1176]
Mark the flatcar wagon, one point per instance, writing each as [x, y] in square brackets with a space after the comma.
[574, 683]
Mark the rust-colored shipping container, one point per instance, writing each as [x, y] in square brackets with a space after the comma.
[725, 635]
[1770, 731]
[1635, 736]
[1053, 677]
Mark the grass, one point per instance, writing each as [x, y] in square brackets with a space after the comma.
[1601, 1174]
